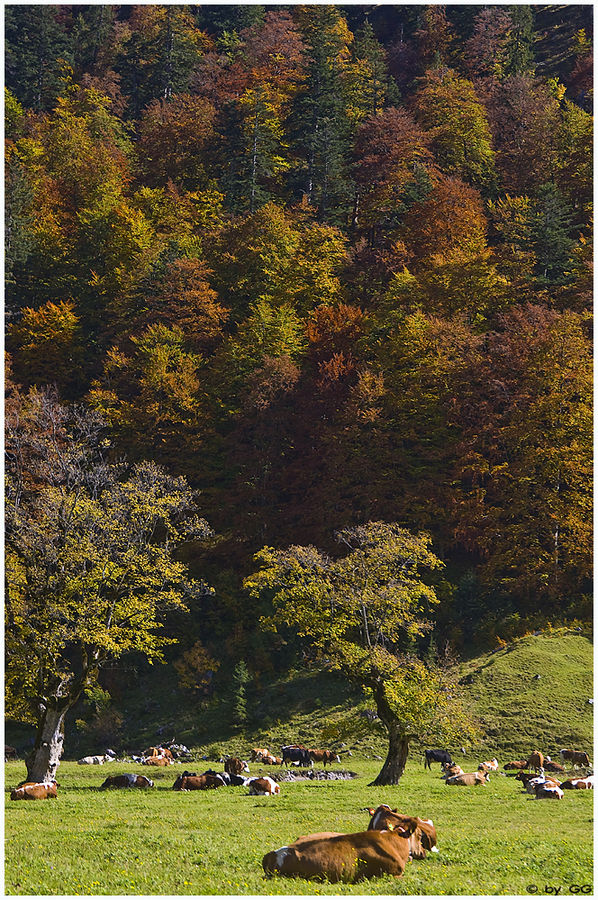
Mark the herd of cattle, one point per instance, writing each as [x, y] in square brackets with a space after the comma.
[545, 787]
[391, 839]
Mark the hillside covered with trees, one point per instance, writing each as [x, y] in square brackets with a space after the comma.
[323, 266]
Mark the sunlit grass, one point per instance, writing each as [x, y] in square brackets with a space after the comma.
[492, 840]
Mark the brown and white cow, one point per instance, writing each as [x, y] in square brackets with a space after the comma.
[158, 761]
[449, 771]
[548, 790]
[158, 751]
[422, 839]
[258, 753]
[188, 782]
[577, 757]
[128, 780]
[468, 779]
[343, 857]
[578, 784]
[234, 766]
[263, 786]
[535, 761]
[539, 781]
[491, 766]
[324, 756]
[35, 790]
[270, 760]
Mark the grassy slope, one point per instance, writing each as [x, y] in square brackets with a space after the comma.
[520, 713]
[492, 840]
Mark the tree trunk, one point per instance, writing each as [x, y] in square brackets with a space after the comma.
[398, 742]
[43, 760]
[394, 765]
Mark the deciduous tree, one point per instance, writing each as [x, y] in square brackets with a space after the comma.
[90, 567]
[360, 613]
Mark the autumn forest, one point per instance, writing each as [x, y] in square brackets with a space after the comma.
[330, 264]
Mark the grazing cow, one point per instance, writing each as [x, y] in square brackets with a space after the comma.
[491, 766]
[441, 756]
[449, 771]
[578, 784]
[577, 757]
[422, 839]
[299, 755]
[91, 761]
[343, 857]
[158, 761]
[187, 782]
[324, 756]
[261, 787]
[35, 790]
[129, 780]
[535, 761]
[516, 764]
[468, 779]
[549, 790]
[258, 753]
[234, 766]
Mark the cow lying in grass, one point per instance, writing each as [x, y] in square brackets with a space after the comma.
[468, 779]
[188, 781]
[578, 784]
[263, 786]
[344, 857]
[422, 839]
[128, 780]
[35, 790]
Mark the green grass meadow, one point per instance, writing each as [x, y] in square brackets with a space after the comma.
[492, 840]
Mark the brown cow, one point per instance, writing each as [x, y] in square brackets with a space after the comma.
[234, 766]
[491, 766]
[197, 782]
[577, 757]
[550, 766]
[535, 761]
[324, 756]
[343, 857]
[468, 779]
[35, 790]
[128, 780]
[516, 764]
[263, 786]
[422, 839]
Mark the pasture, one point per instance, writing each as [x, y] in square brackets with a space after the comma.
[492, 840]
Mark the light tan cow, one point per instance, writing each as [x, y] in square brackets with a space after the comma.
[343, 857]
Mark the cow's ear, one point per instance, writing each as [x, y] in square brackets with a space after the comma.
[395, 810]
[370, 810]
